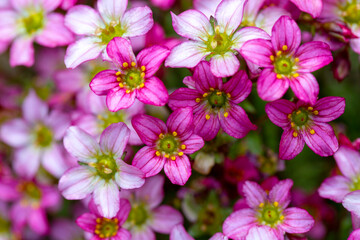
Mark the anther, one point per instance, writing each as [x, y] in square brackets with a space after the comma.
[226, 114]
[205, 95]
[298, 112]
[292, 124]
[174, 134]
[289, 115]
[161, 136]
[118, 73]
[279, 76]
[158, 153]
[133, 64]
[228, 95]
[296, 75]
[295, 134]
[211, 89]
[118, 79]
[180, 154]
[207, 116]
[143, 68]
[261, 205]
[142, 74]
[166, 155]
[197, 100]
[312, 131]
[276, 204]
[183, 146]
[173, 158]
[316, 112]
[285, 47]
[297, 60]
[125, 64]
[142, 85]
[281, 217]
[278, 53]
[92, 164]
[310, 108]
[128, 91]
[272, 58]
[219, 93]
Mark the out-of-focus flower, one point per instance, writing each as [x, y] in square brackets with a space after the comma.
[267, 216]
[36, 138]
[180, 233]
[29, 21]
[304, 123]
[217, 39]
[65, 229]
[215, 104]
[101, 169]
[355, 235]
[106, 228]
[341, 66]
[100, 27]
[163, 4]
[66, 4]
[134, 77]
[313, 7]
[146, 216]
[167, 145]
[286, 63]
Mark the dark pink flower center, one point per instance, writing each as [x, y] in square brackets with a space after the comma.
[106, 227]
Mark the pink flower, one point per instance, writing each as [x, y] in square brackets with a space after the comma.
[304, 123]
[29, 21]
[146, 216]
[100, 27]
[354, 235]
[106, 228]
[134, 77]
[36, 138]
[285, 63]
[344, 188]
[217, 39]
[167, 145]
[215, 104]
[313, 7]
[101, 170]
[267, 216]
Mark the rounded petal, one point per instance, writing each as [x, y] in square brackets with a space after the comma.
[112, 10]
[33, 108]
[81, 144]
[178, 171]
[54, 160]
[125, 208]
[83, 20]
[329, 108]
[258, 51]
[15, 133]
[103, 82]
[81, 51]
[204, 79]
[335, 188]
[114, 138]
[305, 87]
[145, 233]
[22, 52]
[120, 51]
[28, 156]
[352, 202]
[348, 161]
[107, 198]
[87, 222]
[206, 128]
[323, 142]
[186, 55]
[148, 128]
[7, 25]
[129, 176]
[271, 88]
[281, 193]
[50, 5]
[179, 233]
[147, 161]
[254, 194]
[152, 58]
[152, 192]
[278, 112]
[236, 123]
[78, 182]
[229, 14]
[286, 32]
[154, 92]
[238, 224]
[137, 21]
[118, 99]
[192, 24]
[165, 218]
[193, 143]
[181, 122]
[290, 146]
[38, 222]
[246, 34]
[225, 65]
[297, 221]
[313, 7]
[239, 87]
[183, 97]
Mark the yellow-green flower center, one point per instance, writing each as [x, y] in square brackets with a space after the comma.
[351, 12]
[270, 214]
[285, 65]
[112, 30]
[217, 99]
[300, 117]
[43, 136]
[138, 215]
[355, 184]
[131, 77]
[32, 21]
[106, 227]
[109, 118]
[169, 146]
[105, 166]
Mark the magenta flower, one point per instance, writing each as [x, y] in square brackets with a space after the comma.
[285, 63]
[101, 169]
[354, 235]
[344, 188]
[100, 27]
[29, 21]
[215, 104]
[36, 138]
[146, 216]
[267, 216]
[313, 7]
[134, 77]
[304, 123]
[167, 145]
[217, 39]
[106, 228]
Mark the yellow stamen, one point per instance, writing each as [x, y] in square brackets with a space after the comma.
[173, 158]
[226, 114]
[121, 85]
[207, 116]
[316, 112]
[312, 131]
[180, 154]
[167, 155]
[142, 85]
[282, 217]
[295, 134]
[292, 124]
[174, 134]
[143, 68]
[278, 53]
[276, 204]
[279, 76]
[205, 95]
[118, 73]
[297, 60]
[158, 153]
[295, 75]
[98, 220]
[298, 112]
[133, 64]
[197, 100]
[128, 91]
[142, 74]
[228, 95]
[289, 115]
[97, 232]
[125, 64]
[284, 47]
[102, 236]
[310, 108]
[92, 164]
[183, 146]
[272, 58]
[161, 136]
[118, 79]
[212, 89]
[261, 205]
[219, 93]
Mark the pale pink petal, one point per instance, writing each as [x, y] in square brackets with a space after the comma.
[335, 188]
[38, 222]
[218, 236]
[104, 81]
[148, 128]
[120, 51]
[152, 58]
[147, 161]
[81, 144]
[225, 65]
[355, 45]
[329, 108]
[107, 198]
[281, 193]
[137, 21]
[15, 133]
[206, 7]
[192, 24]
[152, 191]
[238, 224]
[229, 14]
[114, 138]
[286, 32]
[261, 233]
[7, 25]
[271, 88]
[112, 10]
[348, 161]
[278, 112]
[268, 17]
[179, 233]
[81, 51]
[78, 182]
[254, 194]
[165, 218]
[290, 146]
[19, 5]
[125, 208]
[129, 176]
[117, 99]
[248, 33]
[83, 20]
[178, 171]
[352, 202]
[181, 122]
[193, 144]
[50, 5]
[54, 160]
[297, 221]
[186, 55]
[28, 156]
[258, 51]
[22, 52]
[54, 33]
[154, 92]
[305, 87]
[313, 7]
[145, 233]
[33, 108]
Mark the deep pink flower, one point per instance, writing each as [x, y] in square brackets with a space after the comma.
[134, 77]
[29, 21]
[146, 216]
[285, 63]
[167, 145]
[313, 7]
[217, 39]
[36, 138]
[102, 228]
[100, 27]
[101, 171]
[304, 123]
[267, 216]
[215, 104]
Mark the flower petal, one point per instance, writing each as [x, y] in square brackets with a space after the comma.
[305, 87]
[147, 161]
[286, 32]
[28, 156]
[269, 87]
[87, 222]
[348, 161]
[267, 17]
[354, 235]
[193, 143]
[297, 221]
[7, 25]
[254, 194]
[112, 10]
[165, 218]
[225, 65]
[137, 21]
[129, 176]
[238, 224]
[148, 128]
[246, 34]
[107, 198]
[38, 222]
[54, 161]
[83, 20]
[206, 128]
[33, 108]
[15, 133]
[329, 108]
[114, 138]
[313, 7]
[278, 112]
[261, 233]
[229, 14]
[178, 171]
[290, 146]
[22, 52]
[154, 92]
[181, 122]
[183, 97]
[120, 51]
[186, 55]
[145, 233]
[152, 192]
[281, 193]
[239, 87]
[125, 208]
[152, 58]
[103, 82]
[179, 233]
[352, 202]
[118, 99]
[335, 188]
[258, 51]
[204, 79]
